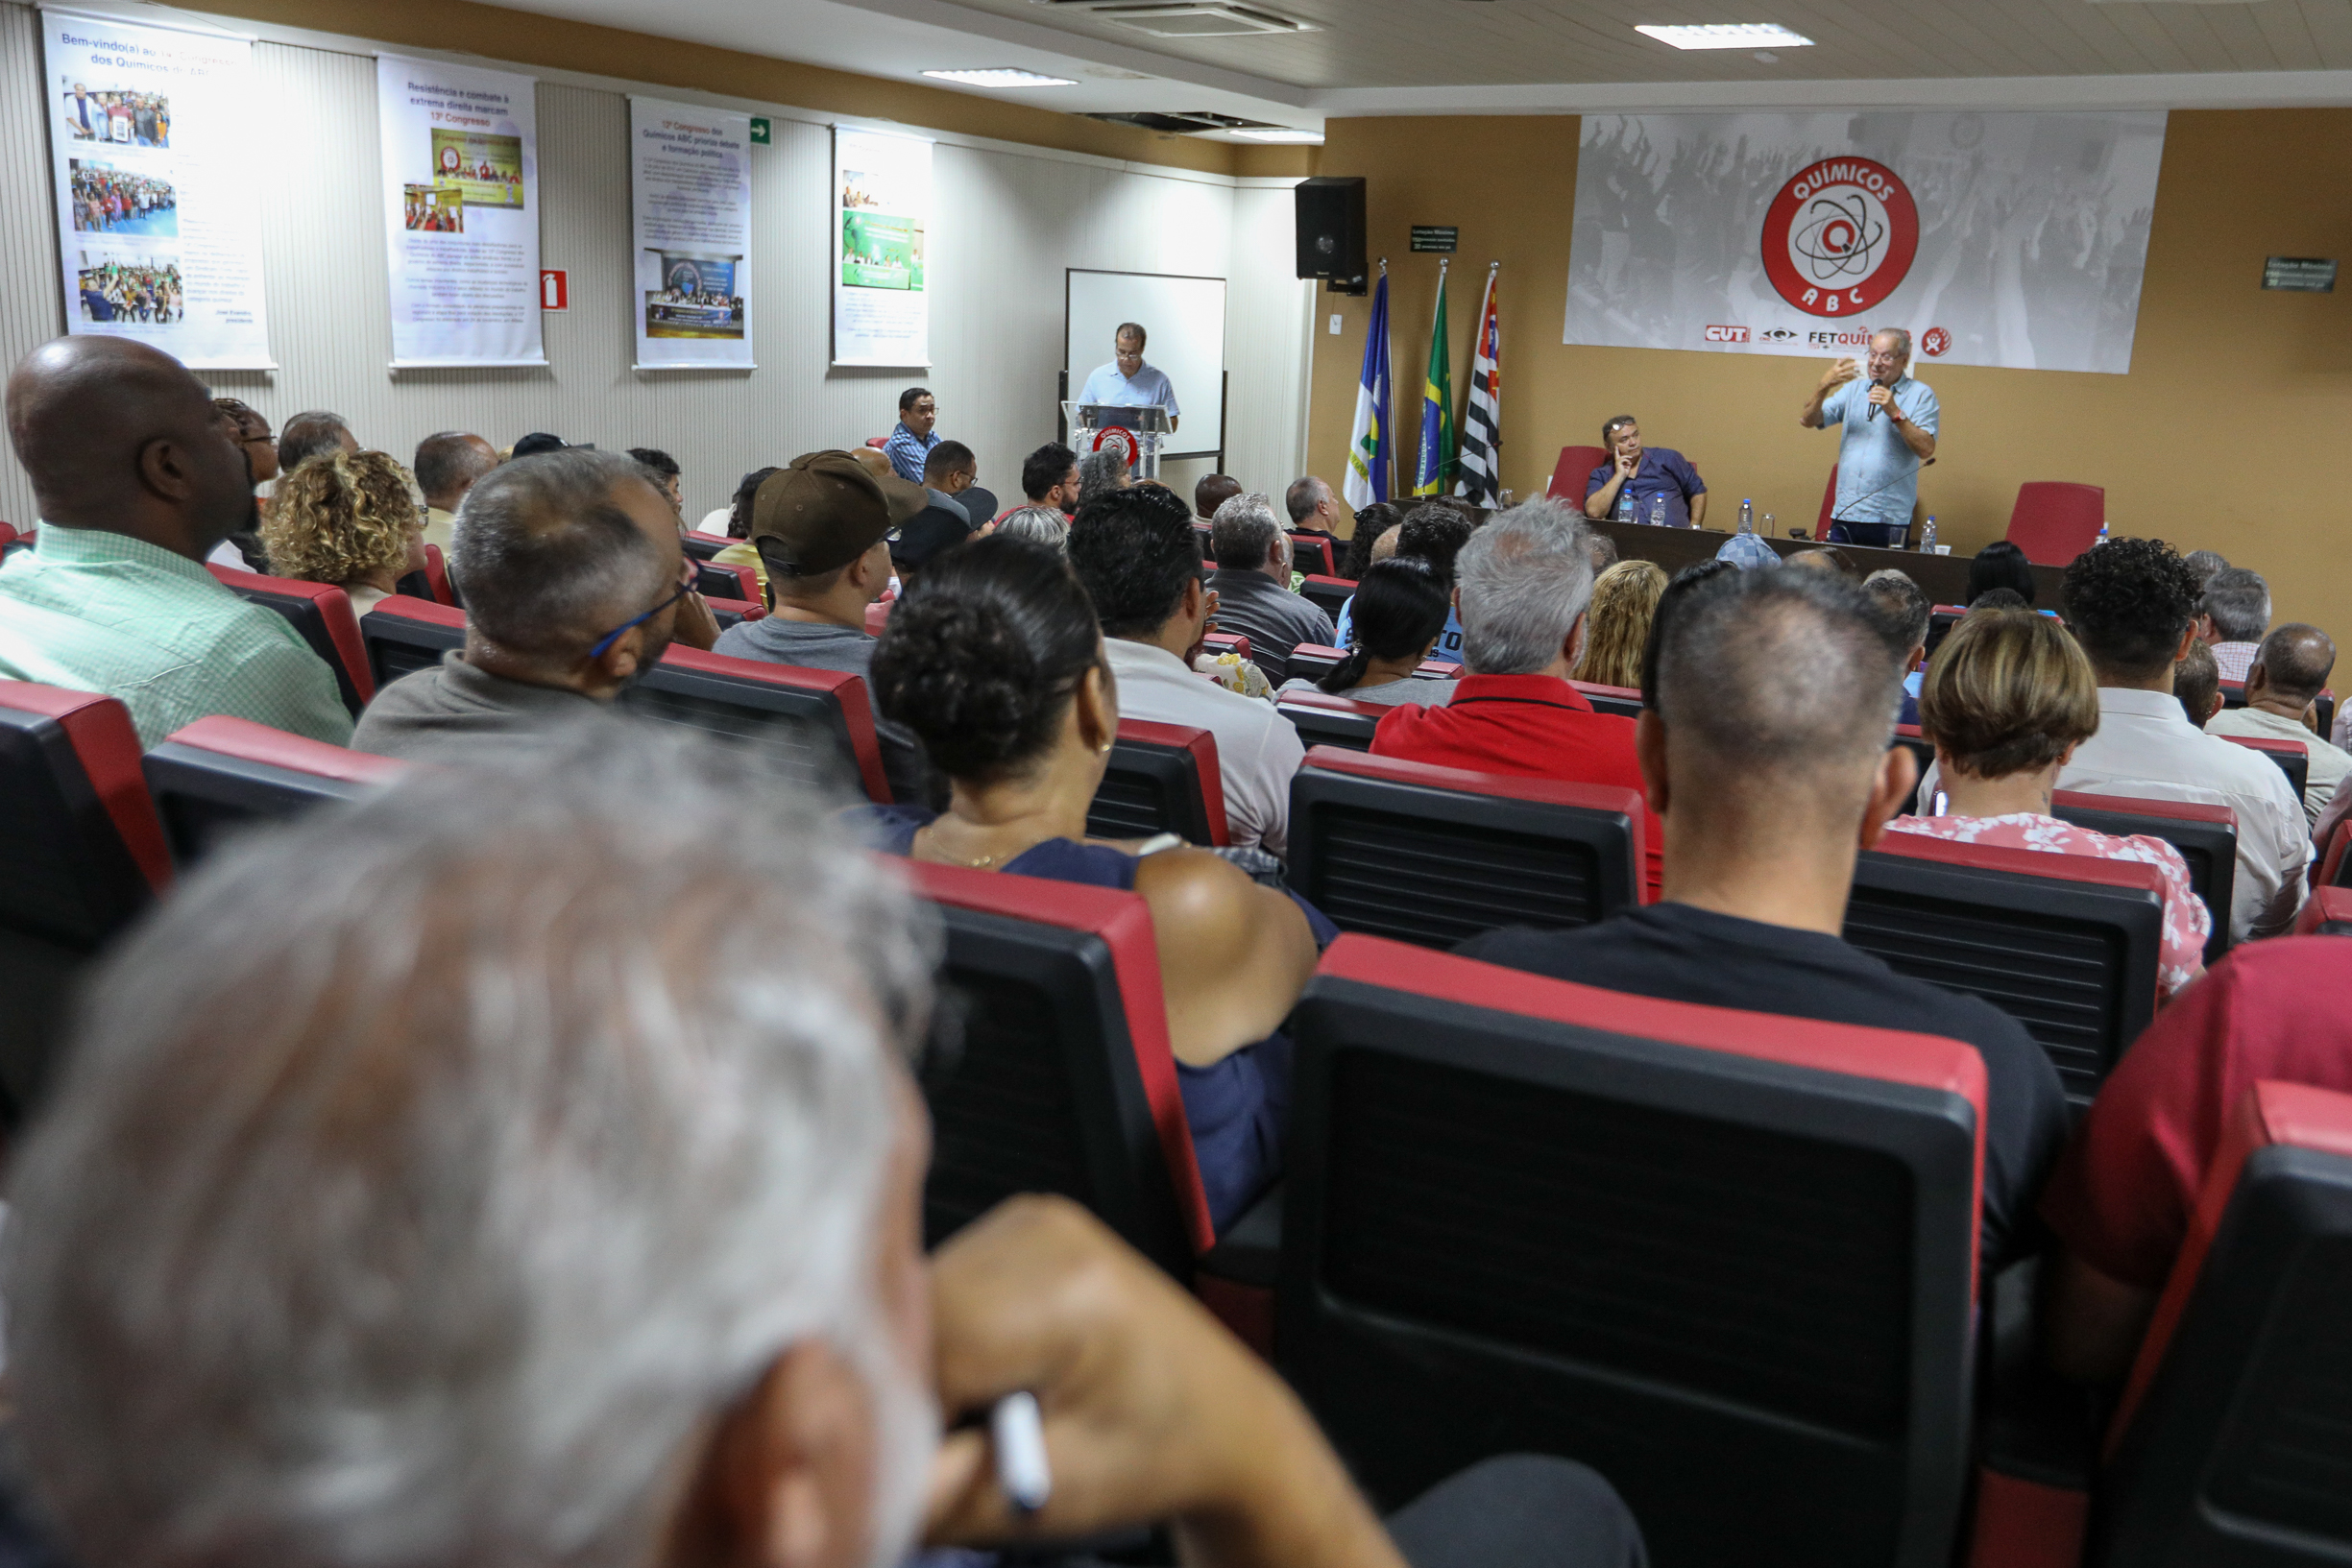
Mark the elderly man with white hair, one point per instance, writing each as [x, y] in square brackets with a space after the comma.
[508, 1170]
[1890, 423]
[1252, 585]
[1521, 585]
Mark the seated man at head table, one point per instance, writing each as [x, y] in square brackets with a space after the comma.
[138, 478]
[1767, 756]
[1639, 484]
[575, 583]
[511, 1169]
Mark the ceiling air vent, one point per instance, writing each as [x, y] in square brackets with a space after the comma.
[1189, 18]
[1180, 124]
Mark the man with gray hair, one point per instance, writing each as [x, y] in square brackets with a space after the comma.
[1312, 507]
[1521, 585]
[1252, 585]
[2289, 670]
[574, 584]
[1902, 612]
[1890, 424]
[1767, 755]
[2231, 618]
[512, 1169]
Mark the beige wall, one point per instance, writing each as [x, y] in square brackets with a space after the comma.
[2232, 431]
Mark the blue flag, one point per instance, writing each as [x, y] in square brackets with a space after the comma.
[1367, 444]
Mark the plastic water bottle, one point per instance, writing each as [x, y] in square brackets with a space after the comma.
[1747, 517]
[2102, 530]
[1624, 511]
[1658, 510]
[1926, 540]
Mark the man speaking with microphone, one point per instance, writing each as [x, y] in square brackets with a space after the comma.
[1890, 423]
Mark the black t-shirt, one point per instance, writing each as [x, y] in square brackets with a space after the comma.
[1679, 953]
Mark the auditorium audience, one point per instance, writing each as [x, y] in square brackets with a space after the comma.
[2323, 831]
[2233, 612]
[911, 440]
[308, 435]
[515, 1168]
[1999, 598]
[1401, 606]
[1525, 581]
[137, 479]
[1374, 539]
[2133, 606]
[574, 584]
[1213, 492]
[994, 660]
[1824, 558]
[2196, 682]
[822, 526]
[349, 519]
[1100, 472]
[1433, 533]
[1252, 585]
[537, 444]
[948, 472]
[1748, 552]
[1903, 616]
[1678, 591]
[1046, 525]
[1767, 757]
[743, 552]
[666, 467]
[1314, 509]
[2123, 1198]
[242, 551]
[1624, 598]
[1135, 553]
[1049, 477]
[2289, 670]
[1603, 552]
[2000, 564]
[449, 465]
[2204, 564]
[2007, 701]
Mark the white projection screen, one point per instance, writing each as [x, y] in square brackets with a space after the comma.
[1186, 320]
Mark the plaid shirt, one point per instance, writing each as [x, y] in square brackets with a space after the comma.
[98, 612]
[2235, 658]
[906, 450]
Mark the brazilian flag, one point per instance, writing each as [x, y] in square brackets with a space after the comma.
[1434, 466]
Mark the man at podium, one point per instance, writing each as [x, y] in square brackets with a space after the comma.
[1126, 381]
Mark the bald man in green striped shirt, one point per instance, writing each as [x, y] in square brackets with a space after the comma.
[137, 479]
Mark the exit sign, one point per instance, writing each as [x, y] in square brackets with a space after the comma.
[554, 291]
[758, 131]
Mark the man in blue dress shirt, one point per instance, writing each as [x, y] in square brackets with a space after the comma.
[1126, 381]
[1890, 423]
[1650, 474]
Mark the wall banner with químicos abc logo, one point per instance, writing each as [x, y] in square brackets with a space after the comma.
[2010, 239]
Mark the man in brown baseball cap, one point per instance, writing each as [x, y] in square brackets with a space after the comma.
[822, 526]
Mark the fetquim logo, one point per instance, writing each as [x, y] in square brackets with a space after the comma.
[1840, 236]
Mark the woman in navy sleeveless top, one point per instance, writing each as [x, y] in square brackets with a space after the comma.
[994, 659]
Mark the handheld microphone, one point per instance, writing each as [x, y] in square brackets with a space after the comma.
[1874, 409]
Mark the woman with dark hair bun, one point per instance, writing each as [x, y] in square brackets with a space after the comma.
[994, 659]
[1400, 607]
[2000, 564]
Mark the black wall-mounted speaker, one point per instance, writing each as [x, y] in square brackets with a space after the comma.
[1330, 214]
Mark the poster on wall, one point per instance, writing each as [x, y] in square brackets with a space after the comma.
[159, 216]
[461, 212]
[880, 209]
[690, 186]
[2004, 239]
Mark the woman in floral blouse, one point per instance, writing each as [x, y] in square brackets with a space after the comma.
[2007, 701]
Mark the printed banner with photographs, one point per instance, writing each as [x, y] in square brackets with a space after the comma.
[1997, 239]
[158, 215]
[689, 182]
[461, 212]
[880, 207]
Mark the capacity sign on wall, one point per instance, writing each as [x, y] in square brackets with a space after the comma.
[1997, 239]
[461, 212]
[157, 211]
[690, 180]
[880, 209]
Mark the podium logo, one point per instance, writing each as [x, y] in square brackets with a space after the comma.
[1840, 236]
[1727, 334]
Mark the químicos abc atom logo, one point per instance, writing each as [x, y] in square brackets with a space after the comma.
[1840, 236]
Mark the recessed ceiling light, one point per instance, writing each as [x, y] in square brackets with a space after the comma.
[1729, 35]
[1284, 133]
[1001, 76]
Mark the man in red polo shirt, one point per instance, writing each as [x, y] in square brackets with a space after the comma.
[1522, 583]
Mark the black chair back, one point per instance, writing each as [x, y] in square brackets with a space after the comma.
[2206, 837]
[1162, 779]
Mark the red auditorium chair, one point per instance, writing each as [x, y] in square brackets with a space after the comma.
[1223, 643]
[702, 546]
[81, 854]
[2327, 912]
[1311, 554]
[1162, 779]
[733, 612]
[2206, 837]
[878, 615]
[1327, 594]
[1313, 661]
[2055, 520]
[1325, 721]
[1575, 466]
[1437, 670]
[2233, 694]
[2068, 945]
[11, 540]
[2292, 758]
[820, 723]
[2336, 857]
[403, 635]
[1434, 855]
[322, 613]
[432, 582]
[717, 582]
[2230, 1446]
[219, 774]
[1727, 1259]
[1624, 701]
[877, 443]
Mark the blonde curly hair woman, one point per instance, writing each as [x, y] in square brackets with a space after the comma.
[349, 518]
[1617, 626]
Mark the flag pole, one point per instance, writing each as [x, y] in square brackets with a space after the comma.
[1389, 460]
